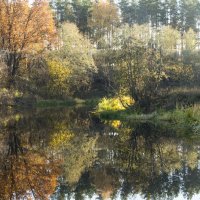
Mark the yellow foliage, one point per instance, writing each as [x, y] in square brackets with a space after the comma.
[61, 138]
[24, 27]
[115, 123]
[103, 15]
[18, 93]
[17, 117]
[168, 38]
[59, 77]
[116, 103]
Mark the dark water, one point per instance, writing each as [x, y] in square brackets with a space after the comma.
[70, 154]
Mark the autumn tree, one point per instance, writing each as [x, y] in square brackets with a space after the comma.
[76, 62]
[168, 39]
[24, 29]
[104, 17]
[190, 38]
[136, 67]
[25, 172]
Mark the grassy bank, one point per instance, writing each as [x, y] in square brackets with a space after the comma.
[67, 102]
[181, 116]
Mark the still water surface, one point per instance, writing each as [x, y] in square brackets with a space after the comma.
[68, 153]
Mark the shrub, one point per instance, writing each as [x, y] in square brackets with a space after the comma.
[114, 104]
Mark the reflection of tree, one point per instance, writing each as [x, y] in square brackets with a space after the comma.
[105, 181]
[70, 141]
[154, 163]
[73, 143]
[139, 158]
[143, 159]
[26, 174]
[28, 161]
[78, 154]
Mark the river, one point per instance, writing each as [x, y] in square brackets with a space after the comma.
[69, 153]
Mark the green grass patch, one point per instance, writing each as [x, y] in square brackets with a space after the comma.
[185, 117]
[55, 103]
[68, 102]
[93, 102]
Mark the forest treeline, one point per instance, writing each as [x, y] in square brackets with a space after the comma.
[146, 49]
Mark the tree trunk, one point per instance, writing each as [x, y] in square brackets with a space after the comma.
[12, 62]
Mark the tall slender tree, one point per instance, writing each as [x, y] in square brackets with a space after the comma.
[104, 17]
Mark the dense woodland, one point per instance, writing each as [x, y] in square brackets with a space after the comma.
[146, 49]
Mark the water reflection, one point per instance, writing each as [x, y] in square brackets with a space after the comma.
[25, 172]
[69, 154]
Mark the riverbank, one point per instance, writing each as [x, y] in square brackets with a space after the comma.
[67, 102]
[180, 116]
[188, 114]
[14, 98]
